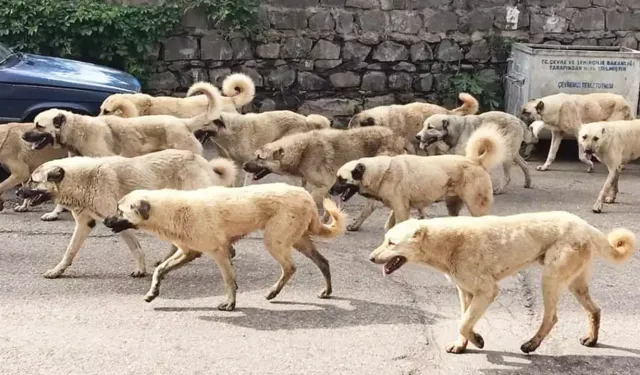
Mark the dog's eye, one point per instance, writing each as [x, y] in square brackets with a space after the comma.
[38, 125]
[429, 127]
[584, 137]
[595, 139]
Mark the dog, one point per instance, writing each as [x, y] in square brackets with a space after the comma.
[238, 89]
[210, 220]
[91, 187]
[477, 252]
[238, 136]
[613, 144]
[566, 113]
[113, 135]
[455, 131]
[317, 155]
[407, 119]
[20, 159]
[405, 181]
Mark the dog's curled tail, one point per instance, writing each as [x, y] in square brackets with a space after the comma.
[487, 146]
[125, 106]
[225, 169]
[213, 103]
[622, 245]
[319, 122]
[338, 221]
[469, 105]
[240, 88]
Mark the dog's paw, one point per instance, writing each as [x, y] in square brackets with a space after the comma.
[49, 216]
[610, 200]
[597, 208]
[530, 346]
[53, 273]
[227, 306]
[138, 273]
[21, 208]
[455, 349]
[589, 341]
[150, 296]
[542, 168]
[498, 191]
[325, 293]
[353, 228]
[272, 294]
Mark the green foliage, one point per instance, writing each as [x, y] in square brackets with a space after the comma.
[90, 30]
[231, 16]
[484, 86]
[500, 46]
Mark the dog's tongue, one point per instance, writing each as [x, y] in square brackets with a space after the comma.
[384, 271]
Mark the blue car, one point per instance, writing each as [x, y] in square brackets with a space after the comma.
[30, 84]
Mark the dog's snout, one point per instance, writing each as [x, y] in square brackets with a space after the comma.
[419, 137]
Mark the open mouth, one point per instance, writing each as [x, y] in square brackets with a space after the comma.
[588, 152]
[203, 135]
[262, 173]
[393, 264]
[38, 140]
[349, 192]
[37, 197]
[118, 225]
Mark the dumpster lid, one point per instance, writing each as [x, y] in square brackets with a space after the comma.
[555, 49]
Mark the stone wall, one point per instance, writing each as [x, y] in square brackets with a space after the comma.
[335, 57]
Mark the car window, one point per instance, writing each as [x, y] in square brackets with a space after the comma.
[4, 53]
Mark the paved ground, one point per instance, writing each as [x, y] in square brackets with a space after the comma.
[94, 321]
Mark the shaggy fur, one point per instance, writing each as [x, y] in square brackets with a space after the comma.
[113, 135]
[454, 132]
[565, 114]
[477, 252]
[407, 120]
[238, 136]
[612, 143]
[209, 221]
[238, 89]
[21, 159]
[408, 181]
[91, 188]
[317, 155]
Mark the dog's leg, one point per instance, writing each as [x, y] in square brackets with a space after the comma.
[138, 255]
[175, 261]
[525, 169]
[306, 246]
[223, 261]
[319, 193]
[478, 306]
[367, 210]
[506, 170]
[613, 192]
[584, 158]
[24, 207]
[421, 213]
[53, 215]
[277, 243]
[400, 212]
[579, 287]
[303, 183]
[461, 344]
[247, 179]
[556, 139]
[391, 221]
[551, 290]
[613, 171]
[12, 181]
[454, 205]
[84, 225]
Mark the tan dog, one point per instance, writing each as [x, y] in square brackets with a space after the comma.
[91, 188]
[565, 114]
[21, 159]
[113, 135]
[455, 131]
[210, 220]
[407, 119]
[409, 181]
[478, 252]
[238, 136]
[238, 89]
[612, 143]
[317, 155]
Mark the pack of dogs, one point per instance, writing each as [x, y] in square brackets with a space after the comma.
[139, 166]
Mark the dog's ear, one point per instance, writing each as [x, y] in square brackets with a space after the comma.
[445, 124]
[540, 107]
[55, 175]
[219, 123]
[358, 172]
[420, 234]
[369, 121]
[278, 154]
[143, 208]
[59, 120]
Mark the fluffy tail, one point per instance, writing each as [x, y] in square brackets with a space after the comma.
[213, 108]
[622, 245]
[125, 106]
[240, 88]
[319, 122]
[225, 169]
[337, 225]
[487, 146]
[469, 105]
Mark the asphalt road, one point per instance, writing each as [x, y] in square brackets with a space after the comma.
[94, 320]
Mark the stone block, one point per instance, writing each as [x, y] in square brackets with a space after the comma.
[374, 81]
[421, 52]
[321, 21]
[406, 22]
[449, 51]
[440, 21]
[355, 51]
[312, 82]
[181, 48]
[296, 48]
[344, 80]
[587, 20]
[325, 50]
[215, 47]
[268, 51]
[390, 51]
